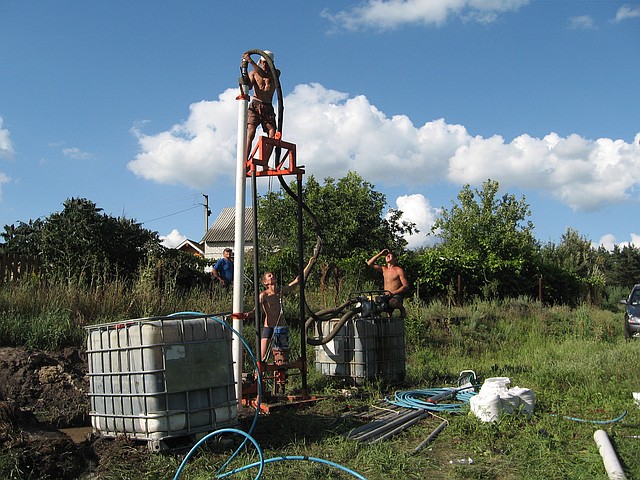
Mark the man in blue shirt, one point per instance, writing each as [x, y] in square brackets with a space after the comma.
[223, 269]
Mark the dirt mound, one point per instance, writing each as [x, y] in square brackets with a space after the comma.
[51, 386]
[41, 393]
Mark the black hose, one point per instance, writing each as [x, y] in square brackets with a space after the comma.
[276, 81]
[280, 120]
[344, 319]
[327, 313]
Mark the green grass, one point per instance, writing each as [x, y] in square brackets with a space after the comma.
[576, 361]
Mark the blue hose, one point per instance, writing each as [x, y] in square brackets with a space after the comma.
[598, 422]
[247, 436]
[218, 432]
[419, 399]
[262, 461]
[259, 381]
[297, 457]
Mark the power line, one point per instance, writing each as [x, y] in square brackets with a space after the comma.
[172, 200]
[171, 214]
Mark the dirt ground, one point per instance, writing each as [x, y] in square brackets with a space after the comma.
[44, 394]
[41, 393]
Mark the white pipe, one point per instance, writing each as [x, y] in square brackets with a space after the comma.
[611, 463]
[238, 263]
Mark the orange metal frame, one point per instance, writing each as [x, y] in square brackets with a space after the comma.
[285, 158]
[285, 164]
[270, 400]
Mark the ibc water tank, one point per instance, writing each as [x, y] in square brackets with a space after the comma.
[363, 349]
[158, 378]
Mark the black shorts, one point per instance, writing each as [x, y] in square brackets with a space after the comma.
[267, 332]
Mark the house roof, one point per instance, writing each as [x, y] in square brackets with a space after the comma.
[223, 229]
[188, 245]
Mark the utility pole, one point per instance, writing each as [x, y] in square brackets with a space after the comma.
[207, 212]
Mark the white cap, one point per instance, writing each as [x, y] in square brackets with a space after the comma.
[270, 54]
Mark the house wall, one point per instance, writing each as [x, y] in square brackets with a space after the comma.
[214, 252]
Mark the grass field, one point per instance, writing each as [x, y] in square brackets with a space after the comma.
[576, 361]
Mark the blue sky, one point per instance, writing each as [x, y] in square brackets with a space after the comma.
[131, 104]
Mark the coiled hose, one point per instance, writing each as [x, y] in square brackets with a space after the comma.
[423, 399]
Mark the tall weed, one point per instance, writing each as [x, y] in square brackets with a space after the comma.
[50, 330]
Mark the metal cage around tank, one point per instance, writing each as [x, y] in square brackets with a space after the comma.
[364, 349]
[160, 378]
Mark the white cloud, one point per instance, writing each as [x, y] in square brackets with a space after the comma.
[389, 14]
[581, 22]
[173, 239]
[6, 147]
[418, 209]
[3, 179]
[626, 12]
[335, 133]
[6, 151]
[76, 153]
[197, 152]
[584, 174]
[608, 241]
[351, 134]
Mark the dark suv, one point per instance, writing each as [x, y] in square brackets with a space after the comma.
[632, 313]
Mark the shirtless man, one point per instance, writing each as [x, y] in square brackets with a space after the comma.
[271, 303]
[395, 279]
[261, 109]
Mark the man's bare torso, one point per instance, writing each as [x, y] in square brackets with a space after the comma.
[263, 87]
[392, 277]
[271, 301]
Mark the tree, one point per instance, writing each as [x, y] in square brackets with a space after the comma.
[489, 240]
[348, 214]
[580, 268]
[82, 245]
[621, 266]
[24, 238]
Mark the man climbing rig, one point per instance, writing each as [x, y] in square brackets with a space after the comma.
[261, 112]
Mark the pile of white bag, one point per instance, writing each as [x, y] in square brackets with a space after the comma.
[495, 397]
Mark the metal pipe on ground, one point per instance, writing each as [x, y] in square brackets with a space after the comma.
[379, 419]
[380, 424]
[401, 427]
[381, 429]
[430, 438]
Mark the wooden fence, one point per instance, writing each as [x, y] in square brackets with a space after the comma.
[14, 267]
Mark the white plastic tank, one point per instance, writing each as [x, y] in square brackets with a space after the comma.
[159, 378]
[364, 349]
